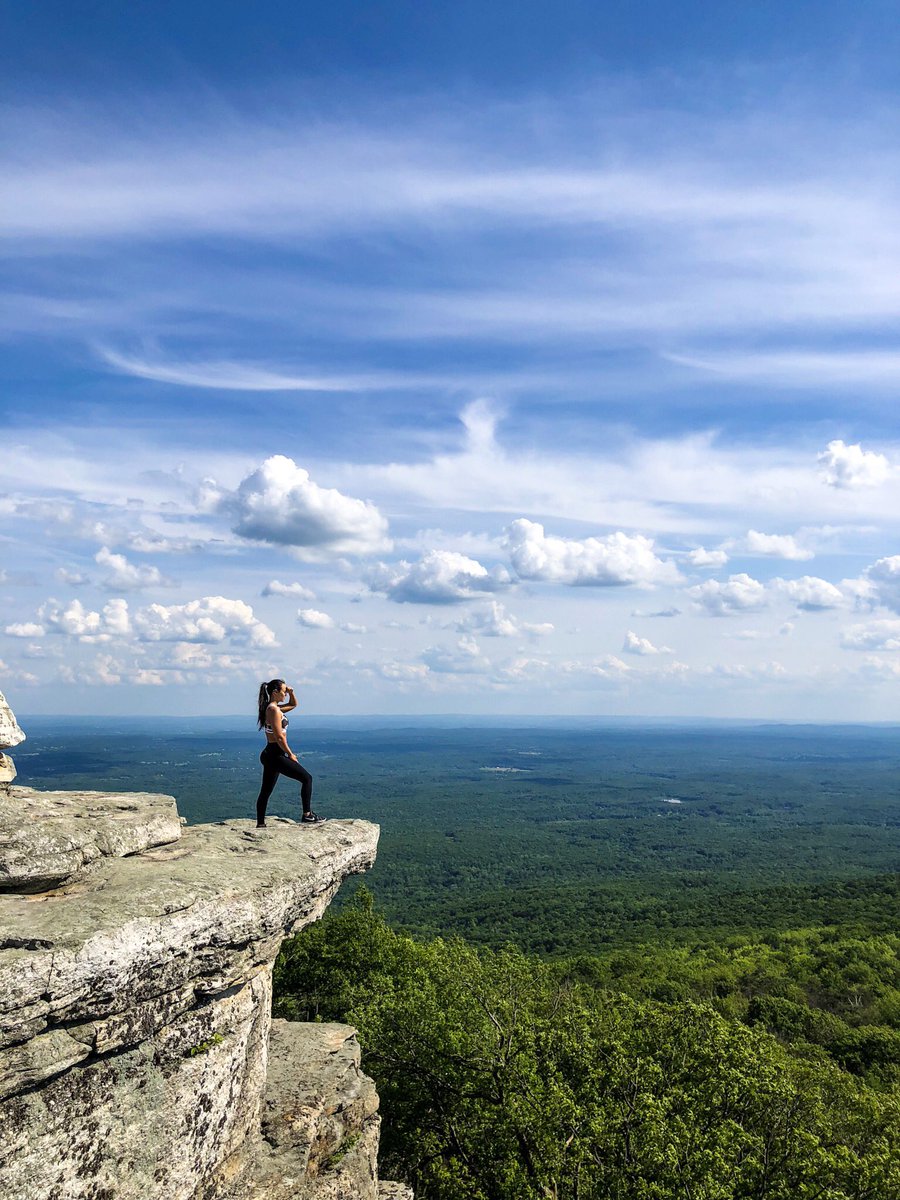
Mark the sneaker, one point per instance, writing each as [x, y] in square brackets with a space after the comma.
[312, 818]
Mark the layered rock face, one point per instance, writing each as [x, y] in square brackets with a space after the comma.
[10, 735]
[138, 1057]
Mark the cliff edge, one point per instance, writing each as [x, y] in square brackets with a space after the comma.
[136, 963]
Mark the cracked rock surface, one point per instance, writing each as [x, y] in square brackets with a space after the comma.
[135, 1001]
[45, 837]
[131, 943]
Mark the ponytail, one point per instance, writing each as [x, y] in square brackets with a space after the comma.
[265, 691]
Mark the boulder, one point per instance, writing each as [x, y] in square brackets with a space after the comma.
[48, 837]
[7, 770]
[10, 733]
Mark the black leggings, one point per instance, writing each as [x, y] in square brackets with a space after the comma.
[274, 763]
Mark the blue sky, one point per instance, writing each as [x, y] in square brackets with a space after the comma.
[473, 358]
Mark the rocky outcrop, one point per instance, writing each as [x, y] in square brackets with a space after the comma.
[138, 1058]
[47, 837]
[10, 735]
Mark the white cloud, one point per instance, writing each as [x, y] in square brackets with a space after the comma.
[210, 619]
[147, 677]
[276, 588]
[74, 620]
[707, 558]
[776, 545]
[123, 576]
[852, 467]
[279, 503]
[192, 655]
[439, 577]
[810, 593]
[349, 627]
[607, 667]
[313, 619]
[115, 618]
[72, 578]
[104, 671]
[877, 635]
[882, 582]
[881, 668]
[634, 644]
[227, 375]
[25, 629]
[465, 658]
[493, 620]
[740, 593]
[611, 561]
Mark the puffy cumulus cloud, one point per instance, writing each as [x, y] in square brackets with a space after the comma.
[707, 558]
[465, 658]
[116, 620]
[349, 627]
[877, 635]
[147, 677]
[740, 593]
[210, 619]
[776, 545]
[611, 561]
[280, 504]
[192, 655]
[313, 619]
[276, 588]
[439, 577]
[104, 671]
[123, 576]
[633, 644]
[494, 621]
[24, 629]
[881, 583]
[852, 467]
[74, 620]
[810, 593]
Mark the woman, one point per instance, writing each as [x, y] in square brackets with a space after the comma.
[276, 699]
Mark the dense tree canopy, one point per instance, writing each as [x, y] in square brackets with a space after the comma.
[506, 1077]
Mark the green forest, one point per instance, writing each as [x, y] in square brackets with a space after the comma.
[766, 1069]
[659, 967]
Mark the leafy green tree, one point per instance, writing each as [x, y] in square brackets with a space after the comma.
[502, 1078]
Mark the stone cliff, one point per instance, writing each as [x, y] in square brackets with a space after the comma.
[138, 1056]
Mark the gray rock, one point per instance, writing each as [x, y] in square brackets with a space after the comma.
[319, 1124]
[46, 837]
[135, 1005]
[389, 1190]
[7, 772]
[156, 1121]
[10, 733]
[147, 934]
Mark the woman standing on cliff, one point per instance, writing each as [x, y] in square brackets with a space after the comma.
[276, 699]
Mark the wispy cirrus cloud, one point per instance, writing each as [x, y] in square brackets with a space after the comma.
[683, 231]
[245, 377]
